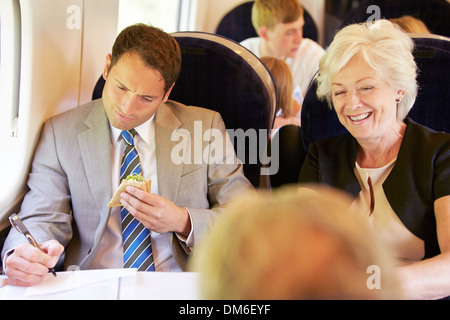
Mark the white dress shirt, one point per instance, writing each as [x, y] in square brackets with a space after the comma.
[110, 253]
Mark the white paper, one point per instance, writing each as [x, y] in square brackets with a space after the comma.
[109, 284]
[77, 280]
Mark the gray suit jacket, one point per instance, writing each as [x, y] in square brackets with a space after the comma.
[70, 179]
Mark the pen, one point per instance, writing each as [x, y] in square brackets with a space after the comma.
[18, 224]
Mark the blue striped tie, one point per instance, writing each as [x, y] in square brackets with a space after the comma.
[137, 248]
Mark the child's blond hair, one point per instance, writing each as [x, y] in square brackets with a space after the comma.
[269, 13]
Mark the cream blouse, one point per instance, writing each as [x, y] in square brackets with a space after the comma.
[372, 202]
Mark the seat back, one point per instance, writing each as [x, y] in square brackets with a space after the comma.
[317, 119]
[434, 13]
[431, 108]
[219, 74]
[237, 24]
[288, 140]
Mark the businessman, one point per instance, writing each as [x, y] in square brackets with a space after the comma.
[79, 160]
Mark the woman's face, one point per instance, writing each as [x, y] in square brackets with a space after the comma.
[364, 102]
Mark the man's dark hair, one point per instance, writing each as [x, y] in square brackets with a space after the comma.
[158, 49]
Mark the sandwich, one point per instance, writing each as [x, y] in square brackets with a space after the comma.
[135, 180]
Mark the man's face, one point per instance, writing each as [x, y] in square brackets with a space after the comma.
[133, 91]
[285, 38]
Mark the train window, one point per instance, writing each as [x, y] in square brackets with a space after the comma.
[161, 14]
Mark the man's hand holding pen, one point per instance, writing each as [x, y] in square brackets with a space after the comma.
[28, 265]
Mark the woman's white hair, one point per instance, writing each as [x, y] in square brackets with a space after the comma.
[385, 47]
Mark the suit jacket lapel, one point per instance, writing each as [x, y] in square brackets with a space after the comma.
[94, 145]
[169, 173]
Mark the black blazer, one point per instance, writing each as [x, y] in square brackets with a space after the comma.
[420, 176]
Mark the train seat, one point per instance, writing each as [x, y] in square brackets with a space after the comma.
[221, 75]
[434, 13]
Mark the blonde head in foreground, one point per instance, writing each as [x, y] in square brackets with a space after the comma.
[293, 244]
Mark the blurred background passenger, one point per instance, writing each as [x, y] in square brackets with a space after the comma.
[410, 24]
[288, 111]
[296, 243]
[397, 170]
[279, 25]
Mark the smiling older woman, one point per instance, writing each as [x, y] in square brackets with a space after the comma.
[397, 170]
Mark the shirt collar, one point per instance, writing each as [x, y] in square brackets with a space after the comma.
[144, 131]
